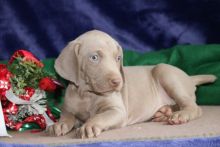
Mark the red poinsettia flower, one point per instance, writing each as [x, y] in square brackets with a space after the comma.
[47, 84]
[27, 56]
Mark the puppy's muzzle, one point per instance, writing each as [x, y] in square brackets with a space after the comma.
[115, 82]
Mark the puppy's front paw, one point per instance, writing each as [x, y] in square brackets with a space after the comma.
[58, 129]
[185, 115]
[88, 131]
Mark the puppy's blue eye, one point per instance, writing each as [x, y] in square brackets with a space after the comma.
[94, 58]
[118, 58]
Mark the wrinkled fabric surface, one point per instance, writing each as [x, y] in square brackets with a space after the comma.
[45, 27]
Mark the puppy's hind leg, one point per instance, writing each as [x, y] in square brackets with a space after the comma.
[180, 87]
[164, 113]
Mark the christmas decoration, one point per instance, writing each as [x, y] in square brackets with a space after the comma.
[23, 88]
[47, 84]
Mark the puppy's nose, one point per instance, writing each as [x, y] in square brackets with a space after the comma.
[115, 82]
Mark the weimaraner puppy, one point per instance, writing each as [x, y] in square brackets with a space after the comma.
[103, 94]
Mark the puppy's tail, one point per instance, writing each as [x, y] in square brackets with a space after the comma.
[202, 79]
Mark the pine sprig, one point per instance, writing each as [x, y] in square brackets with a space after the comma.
[25, 74]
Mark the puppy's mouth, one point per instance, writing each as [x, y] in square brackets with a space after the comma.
[102, 92]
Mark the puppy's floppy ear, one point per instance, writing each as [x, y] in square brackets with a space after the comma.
[121, 62]
[66, 65]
